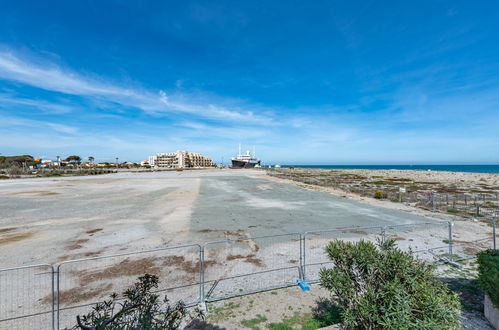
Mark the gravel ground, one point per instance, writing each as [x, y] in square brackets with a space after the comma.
[47, 220]
[51, 220]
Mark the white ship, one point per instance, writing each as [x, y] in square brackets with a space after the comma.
[246, 160]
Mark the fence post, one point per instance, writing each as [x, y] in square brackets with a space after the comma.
[57, 275]
[383, 234]
[450, 225]
[53, 298]
[433, 202]
[494, 229]
[201, 274]
[301, 258]
[303, 248]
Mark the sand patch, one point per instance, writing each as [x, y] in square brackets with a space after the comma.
[12, 238]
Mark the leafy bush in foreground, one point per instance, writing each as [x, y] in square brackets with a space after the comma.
[488, 277]
[386, 288]
[140, 309]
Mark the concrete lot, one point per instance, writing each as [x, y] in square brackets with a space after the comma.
[54, 219]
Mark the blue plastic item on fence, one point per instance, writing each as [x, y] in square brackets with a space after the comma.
[303, 285]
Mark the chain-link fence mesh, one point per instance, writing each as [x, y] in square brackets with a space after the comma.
[468, 240]
[428, 241]
[83, 283]
[235, 267]
[216, 270]
[315, 242]
[26, 297]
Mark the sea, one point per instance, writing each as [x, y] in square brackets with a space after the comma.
[449, 168]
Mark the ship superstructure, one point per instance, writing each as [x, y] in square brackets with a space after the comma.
[246, 160]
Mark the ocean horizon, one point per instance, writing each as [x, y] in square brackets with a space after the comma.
[447, 168]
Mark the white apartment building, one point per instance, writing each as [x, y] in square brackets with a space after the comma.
[179, 159]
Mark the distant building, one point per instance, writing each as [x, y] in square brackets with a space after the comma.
[179, 159]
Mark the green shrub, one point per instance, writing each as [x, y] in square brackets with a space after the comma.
[139, 308]
[380, 195]
[488, 274]
[386, 288]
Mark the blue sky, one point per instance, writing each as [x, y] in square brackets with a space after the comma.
[306, 82]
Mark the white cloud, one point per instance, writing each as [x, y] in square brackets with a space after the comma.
[47, 107]
[11, 122]
[50, 77]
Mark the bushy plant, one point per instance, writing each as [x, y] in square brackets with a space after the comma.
[382, 287]
[380, 195]
[488, 274]
[139, 308]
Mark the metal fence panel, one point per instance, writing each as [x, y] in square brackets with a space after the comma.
[465, 242]
[83, 283]
[241, 266]
[429, 241]
[26, 297]
[315, 242]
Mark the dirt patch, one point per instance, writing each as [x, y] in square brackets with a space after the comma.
[471, 250]
[125, 268]
[255, 261]
[81, 241]
[396, 238]
[77, 244]
[77, 295]
[73, 247]
[355, 231]
[207, 230]
[12, 238]
[92, 253]
[6, 230]
[93, 231]
[228, 233]
[250, 258]
[88, 254]
[34, 193]
[187, 266]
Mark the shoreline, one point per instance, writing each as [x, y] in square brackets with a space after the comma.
[491, 168]
[462, 194]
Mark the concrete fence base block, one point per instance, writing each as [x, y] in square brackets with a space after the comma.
[491, 312]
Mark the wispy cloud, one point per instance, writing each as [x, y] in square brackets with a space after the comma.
[12, 122]
[45, 106]
[51, 77]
